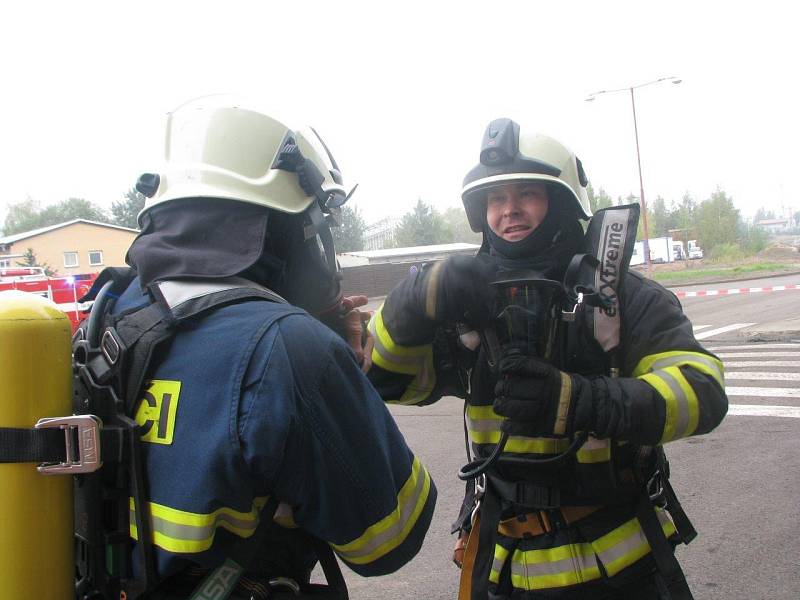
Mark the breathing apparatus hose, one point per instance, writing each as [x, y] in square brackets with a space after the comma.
[96, 314]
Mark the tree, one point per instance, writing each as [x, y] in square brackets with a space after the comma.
[29, 260]
[126, 209]
[456, 219]
[349, 236]
[659, 218]
[23, 216]
[598, 200]
[762, 214]
[422, 226]
[717, 221]
[29, 214]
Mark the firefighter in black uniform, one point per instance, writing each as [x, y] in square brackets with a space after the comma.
[583, 527]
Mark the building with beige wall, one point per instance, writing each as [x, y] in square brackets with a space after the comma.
[77, 246]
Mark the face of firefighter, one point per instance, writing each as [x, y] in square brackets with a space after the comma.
[515, 210]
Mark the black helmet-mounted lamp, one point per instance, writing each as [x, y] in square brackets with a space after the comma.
[500, 142]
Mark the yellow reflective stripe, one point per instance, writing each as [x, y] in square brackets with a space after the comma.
[532, 445]
[573, 564]
[594, 451]
[483, 427]
[388, 533]
[500, 556]
[186, 532]
[391, 356]
[680, 401]
[408, 360]
[554, 567]
[432, 290]
[625, 545]
[697, 360]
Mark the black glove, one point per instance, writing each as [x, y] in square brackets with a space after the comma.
[457, 289]
[539, 399]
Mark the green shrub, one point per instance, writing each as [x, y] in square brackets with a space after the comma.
[722, 253]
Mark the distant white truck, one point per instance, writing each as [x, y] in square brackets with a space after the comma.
[665, 250]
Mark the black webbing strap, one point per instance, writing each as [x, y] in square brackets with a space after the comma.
[526, 493]
[31, 445]
[20, 445]
[668, 566]
[336, 587]
[223, 579]
[686, 530]
[490, 518]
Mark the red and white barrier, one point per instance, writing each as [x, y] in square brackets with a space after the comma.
[731, 291]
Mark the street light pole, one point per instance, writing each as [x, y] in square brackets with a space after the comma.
[630, 89]
[641, 190]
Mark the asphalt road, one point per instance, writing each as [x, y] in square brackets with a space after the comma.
[739, 484]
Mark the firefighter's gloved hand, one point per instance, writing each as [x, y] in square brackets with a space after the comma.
[537, 398]
[457, 290]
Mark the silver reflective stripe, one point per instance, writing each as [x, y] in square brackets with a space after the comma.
[629, 544]
[483, 424]
[193, 533]
[671, 361]
[395, 530]
[522, 568]
[682, 417]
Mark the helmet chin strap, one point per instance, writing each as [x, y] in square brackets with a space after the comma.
[319, 227]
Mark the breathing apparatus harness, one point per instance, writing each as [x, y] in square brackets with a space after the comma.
[100, 443]
[592, 286]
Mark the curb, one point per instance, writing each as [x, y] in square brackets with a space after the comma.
[732, 280]
[771, 336]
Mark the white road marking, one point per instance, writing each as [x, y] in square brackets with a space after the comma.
[759, 410]
[699, 327]
[751, 347]
[762, 363]
[758, 354]
[762, 376]
[763, 392]
[725, 329]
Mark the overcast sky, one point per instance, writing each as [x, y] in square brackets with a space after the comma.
[402, 91]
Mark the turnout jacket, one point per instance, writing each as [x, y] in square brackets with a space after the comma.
[669, 388]
[256, 399]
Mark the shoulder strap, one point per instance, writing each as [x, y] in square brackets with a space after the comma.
[136, 335]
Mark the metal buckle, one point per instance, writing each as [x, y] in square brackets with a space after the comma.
[285, 583]
[110, 347]
[655, 483]
[569, 316]
[85, 429]
[480, 490]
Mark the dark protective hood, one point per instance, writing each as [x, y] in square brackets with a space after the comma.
[198, 238]
[206, 238]
[547, 250]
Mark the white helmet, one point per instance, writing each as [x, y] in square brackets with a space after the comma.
[509, 155]
[236, 153]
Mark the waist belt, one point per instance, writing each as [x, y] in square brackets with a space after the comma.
[542, 521]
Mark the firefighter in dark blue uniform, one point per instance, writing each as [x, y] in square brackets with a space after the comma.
[258, 399]
[575, 530]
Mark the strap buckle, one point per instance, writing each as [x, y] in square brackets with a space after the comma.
[82, 442]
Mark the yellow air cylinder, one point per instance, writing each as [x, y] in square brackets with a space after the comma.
[36, 548]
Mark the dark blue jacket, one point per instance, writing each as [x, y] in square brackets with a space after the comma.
[259, 398]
